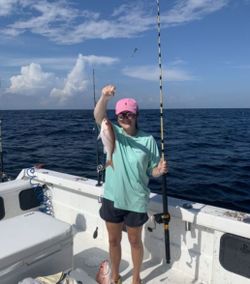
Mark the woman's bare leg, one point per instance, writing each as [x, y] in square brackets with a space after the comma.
[134, 236]
[115, 236]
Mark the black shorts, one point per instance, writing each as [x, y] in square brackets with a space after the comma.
[114, 215]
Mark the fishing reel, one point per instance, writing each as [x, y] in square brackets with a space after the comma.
[160, 218]
[3, 177]
[100, 174]
[100, 168]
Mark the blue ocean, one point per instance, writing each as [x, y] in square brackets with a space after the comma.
[208, 150]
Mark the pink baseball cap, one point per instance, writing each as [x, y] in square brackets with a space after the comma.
[126, 104]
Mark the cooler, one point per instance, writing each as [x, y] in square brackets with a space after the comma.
[34, 244]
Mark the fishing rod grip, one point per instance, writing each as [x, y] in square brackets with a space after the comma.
[167, 245]
[165, 217]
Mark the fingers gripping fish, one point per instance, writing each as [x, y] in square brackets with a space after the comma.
[108, 139]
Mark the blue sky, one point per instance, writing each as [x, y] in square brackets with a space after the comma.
[48, 50]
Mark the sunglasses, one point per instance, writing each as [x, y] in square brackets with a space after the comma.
[128, 115]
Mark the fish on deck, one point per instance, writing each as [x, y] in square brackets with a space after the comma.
[103, 275]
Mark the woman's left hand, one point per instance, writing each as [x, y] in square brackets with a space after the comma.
[162, 167]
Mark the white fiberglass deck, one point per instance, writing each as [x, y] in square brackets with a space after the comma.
[89, 253]
[196, 235]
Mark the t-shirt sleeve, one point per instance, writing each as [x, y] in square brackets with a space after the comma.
[154, 156]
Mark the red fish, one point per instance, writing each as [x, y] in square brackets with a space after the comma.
[103, 275]
[108, 139]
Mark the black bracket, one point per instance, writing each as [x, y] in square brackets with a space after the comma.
[100, 174]
[160, 218]
[100, 168]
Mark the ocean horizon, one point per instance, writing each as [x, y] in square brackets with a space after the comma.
[207, 148]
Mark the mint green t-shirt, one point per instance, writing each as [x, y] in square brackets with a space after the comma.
[133, 160]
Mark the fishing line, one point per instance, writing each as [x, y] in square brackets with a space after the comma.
[165, 217]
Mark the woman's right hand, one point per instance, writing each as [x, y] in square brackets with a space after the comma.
[108, 91]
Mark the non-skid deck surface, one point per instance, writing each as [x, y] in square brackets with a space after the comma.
[88, 254]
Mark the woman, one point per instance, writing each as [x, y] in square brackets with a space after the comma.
[126, 193]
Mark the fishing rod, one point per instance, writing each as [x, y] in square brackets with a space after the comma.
[100, 168]
[165, 216]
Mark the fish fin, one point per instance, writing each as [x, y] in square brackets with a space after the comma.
[109, 163]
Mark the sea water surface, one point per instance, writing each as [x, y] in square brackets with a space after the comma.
[208, 150]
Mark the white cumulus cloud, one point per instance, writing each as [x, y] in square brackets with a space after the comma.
[31, 81]
[34, 81]
[76, 82]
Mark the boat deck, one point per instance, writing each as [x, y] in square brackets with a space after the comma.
[199, 235]
[89, 253]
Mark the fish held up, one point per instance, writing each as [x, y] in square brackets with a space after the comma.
[108, 139]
